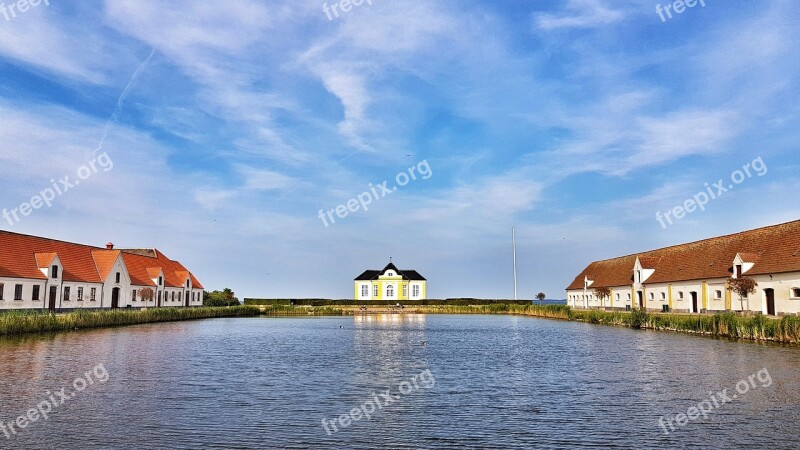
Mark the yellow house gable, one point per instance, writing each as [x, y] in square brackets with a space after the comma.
[390, 283]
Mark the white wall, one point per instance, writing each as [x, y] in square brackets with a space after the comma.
[9, 285]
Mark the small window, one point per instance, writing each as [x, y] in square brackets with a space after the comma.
[365, 290]
[54, 271]
[35, 295]
[173, 296]
[663, 296]
[66, 293]
[80, 294]
[93, 295]
[18, 292]
[179, 296]
[2, 288]
[187, 283]
[680, 295]
[405, 290]
[652, 296]
[159, 296]
[718, 295]
[118, 277]
[617, 296]
[415, 290]
[375, 290]
[390, 290]
[133, 295]
[795, 292]
[629, 296]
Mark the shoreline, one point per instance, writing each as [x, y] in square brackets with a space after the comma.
[758, 328]
[785, 330]
[22, 323]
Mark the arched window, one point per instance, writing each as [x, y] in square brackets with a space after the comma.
[390, 290]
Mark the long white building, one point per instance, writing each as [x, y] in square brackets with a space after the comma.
[41, 273]
[693, 277]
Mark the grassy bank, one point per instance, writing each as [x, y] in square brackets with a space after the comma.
[293, 311]
[13, 323]
[387, 303]
[723, 325]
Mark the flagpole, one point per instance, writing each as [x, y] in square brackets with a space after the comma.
[514, 243]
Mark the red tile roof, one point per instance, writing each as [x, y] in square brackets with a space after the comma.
[774, 249]
[18, 257]
[143, 268]
[21, 256]
[104, 260]
[43, 260]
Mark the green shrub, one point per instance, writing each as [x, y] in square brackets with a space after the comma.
[638, 318]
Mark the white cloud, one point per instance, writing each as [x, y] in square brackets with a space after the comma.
[582, 14]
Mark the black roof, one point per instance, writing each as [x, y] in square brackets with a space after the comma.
[369, 275]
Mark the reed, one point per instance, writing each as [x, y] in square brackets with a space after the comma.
[13, 323]
[295, 311]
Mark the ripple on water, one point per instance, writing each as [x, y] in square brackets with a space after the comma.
[500, 382]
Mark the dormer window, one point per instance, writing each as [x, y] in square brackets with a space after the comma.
[118, 277]
[738, 271]
[54, 271]
[187, 283]
[160, 281]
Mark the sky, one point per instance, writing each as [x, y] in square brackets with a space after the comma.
[251, 140]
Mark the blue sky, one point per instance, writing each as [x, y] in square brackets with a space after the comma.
[231, 124]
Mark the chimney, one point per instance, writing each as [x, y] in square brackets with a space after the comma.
[110, 246]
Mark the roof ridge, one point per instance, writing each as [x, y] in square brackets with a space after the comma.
[52, 240]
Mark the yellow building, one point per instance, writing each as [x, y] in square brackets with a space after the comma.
[390, 284]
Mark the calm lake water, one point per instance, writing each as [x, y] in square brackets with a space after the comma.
[481, 382]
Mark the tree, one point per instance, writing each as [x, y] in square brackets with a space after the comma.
[225, 297]
[147, 295]
[743, 286]
[602, 293]
[540, 296]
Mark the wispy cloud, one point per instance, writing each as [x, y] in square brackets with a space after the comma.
[581, 14]
[567, 119]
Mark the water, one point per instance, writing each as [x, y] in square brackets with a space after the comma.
[497, 382]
